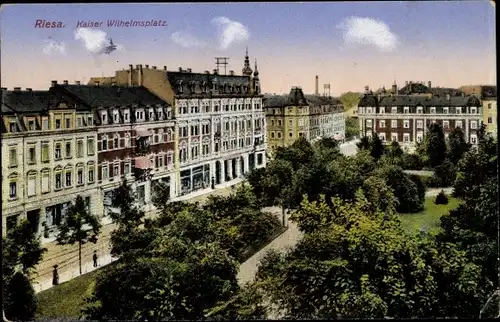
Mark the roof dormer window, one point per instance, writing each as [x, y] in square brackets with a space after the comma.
[116, 116]
[104, 117]
[180, 87]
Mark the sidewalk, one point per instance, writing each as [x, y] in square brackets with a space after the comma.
[67, 256]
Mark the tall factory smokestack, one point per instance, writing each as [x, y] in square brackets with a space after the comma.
[316, 87]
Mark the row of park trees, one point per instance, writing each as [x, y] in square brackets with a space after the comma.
[355, 260]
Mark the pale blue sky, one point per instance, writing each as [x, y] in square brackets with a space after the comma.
[450, 43]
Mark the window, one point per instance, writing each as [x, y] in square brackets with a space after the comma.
[90, 121]
[45, 181]
[420, 137]
[419, 109]
[126, 116]
[68, 179]
[79, 149]
[13, 157]
[406, 124]
[116, 170]
[57, 151]
[382, 110]
[58, 180]
[104, 142]
[12, 127]
[68, 123]
[79, 122]
[104, 172]
[80, 176]
[490, 120]
[279, 135]
[206, 148]
[160, 161]
[127, 140]
[290, 134]
[394, 110]
[58, 124]
[45, 124]
[13, 189]
[394, 124]
[31, 155]
[31, 185]
[169, 159]
[406, 137]
[473, 110]
[116, 142]
[394, 137]
[433, 110]
[68, 149]
[368, 110]
[445, 110]
[126, 168]
[458, 124]
[115, 117]
[406, 110]
[420, 124]
[473, 125]
[489, 106]
[458, 110]
[31, 125]
[446, 124]
[368, 123]
[279, 123]
[382, 137]
[272, 135]
[90, 146]
[103, 117]
[473, 139]
[290, 122]
[91, 174]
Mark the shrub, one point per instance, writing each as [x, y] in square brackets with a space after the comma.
[441, 198]
[21, 301]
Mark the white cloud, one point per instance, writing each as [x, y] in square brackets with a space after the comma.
[53, 47]
[94, 40]
[187, 40]
[368, 31]
[231, 32]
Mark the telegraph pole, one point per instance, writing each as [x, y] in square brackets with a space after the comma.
[221, 61]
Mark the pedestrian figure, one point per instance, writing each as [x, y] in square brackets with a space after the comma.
[213, 183]
[55, 276]
[95, 258]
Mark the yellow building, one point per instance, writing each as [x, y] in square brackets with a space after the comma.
[488, 96]
[296, 115]
[49, 155]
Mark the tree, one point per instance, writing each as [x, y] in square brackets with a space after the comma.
[377, 147]
[435, 147]
[350, 100]
[162, 288]
[360, 263]
[457, 146]
[79, 226]
[395, 150]
[22, 252]
[444, 174]
[20, 301]
[351, 127]
[364, 143]
[124, 199]
[441, 198]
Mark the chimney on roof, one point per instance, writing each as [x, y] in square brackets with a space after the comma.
[131, 67]
[53, 83]
[406, 83]
[77, 82]
[65, 82]
[180, 69]
[188, 70]
[147, 66]
[164, 67]
[28, 89]
[154, 67]
[137, 66]
[216, 72]
[97, 83]
[17, 89]
[429, 84]
[367, 89]
[316, 86]
[231, 72]
[207, 72]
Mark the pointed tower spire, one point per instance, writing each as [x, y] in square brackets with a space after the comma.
[247, 70]
[256, 72]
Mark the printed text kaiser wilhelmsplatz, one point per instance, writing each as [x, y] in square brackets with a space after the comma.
[121, 23]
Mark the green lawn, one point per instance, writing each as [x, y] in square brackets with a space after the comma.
[66, 299]
[429, 217]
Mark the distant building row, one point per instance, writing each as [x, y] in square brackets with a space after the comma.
[405, 115]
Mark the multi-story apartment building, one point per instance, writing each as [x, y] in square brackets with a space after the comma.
[49, 155]
[135, 136]
[297, 115]
[406, 118]
[219, 121]
[488, 97]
